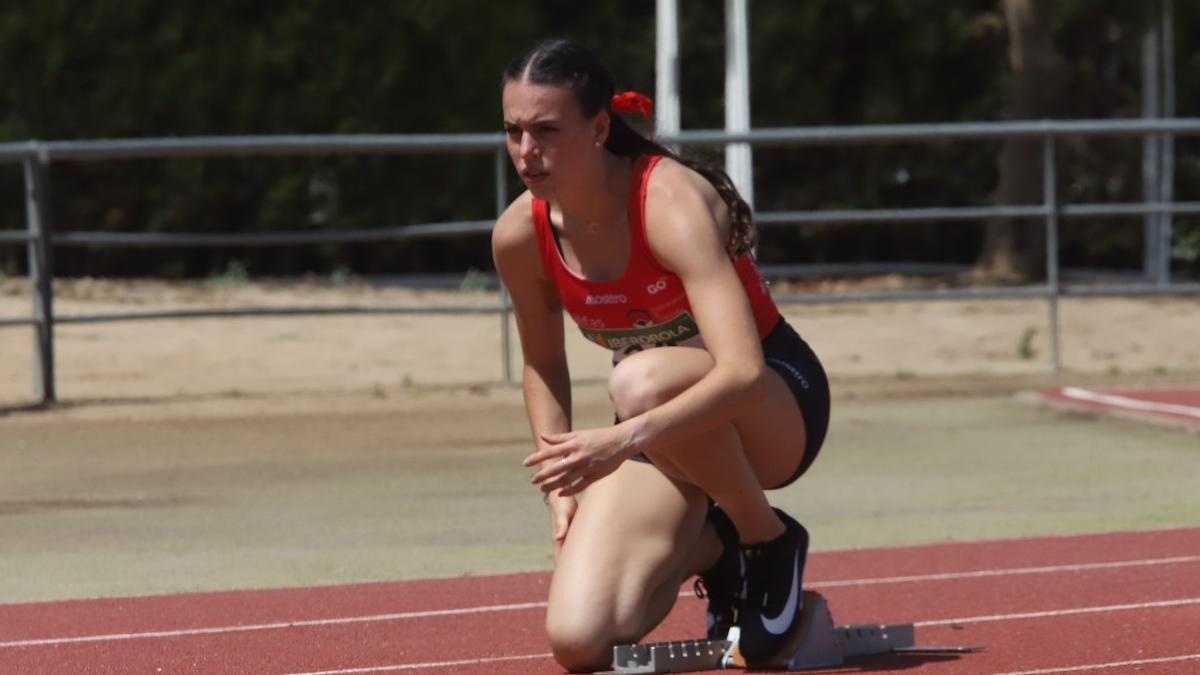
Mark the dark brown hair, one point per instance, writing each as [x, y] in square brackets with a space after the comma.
[564, 63]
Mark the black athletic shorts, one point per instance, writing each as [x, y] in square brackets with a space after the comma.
[789, 355]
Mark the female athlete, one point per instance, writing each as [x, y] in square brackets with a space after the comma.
[716, 397]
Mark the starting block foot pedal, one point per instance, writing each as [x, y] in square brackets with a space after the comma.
[818, 644]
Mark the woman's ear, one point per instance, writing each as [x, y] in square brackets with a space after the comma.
[601, 124]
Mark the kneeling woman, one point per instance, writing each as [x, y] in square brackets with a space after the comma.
[716, 397]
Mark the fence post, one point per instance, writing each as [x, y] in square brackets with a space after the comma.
[1050, 195]
[501, 166]
[41, 272]
[1166, 177]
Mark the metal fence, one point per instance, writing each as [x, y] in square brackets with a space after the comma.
[40, 238]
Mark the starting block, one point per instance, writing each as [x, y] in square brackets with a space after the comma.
[819, 644]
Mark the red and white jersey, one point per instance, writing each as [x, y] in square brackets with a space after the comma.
[646, 306]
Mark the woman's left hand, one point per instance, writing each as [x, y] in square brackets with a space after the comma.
[580, 458]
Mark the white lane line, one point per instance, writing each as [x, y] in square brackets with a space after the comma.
[1102, 666]
[431, 664]
[1130, 403]
[184, 632]
[1058, 612]
[402, 616]
[1012, 571]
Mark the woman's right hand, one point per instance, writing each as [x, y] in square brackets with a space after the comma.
[562, 511]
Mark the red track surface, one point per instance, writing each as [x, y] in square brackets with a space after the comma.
[1117, 602]
[1179, 406]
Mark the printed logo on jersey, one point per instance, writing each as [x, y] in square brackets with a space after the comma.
[606, 299]
[672, 332]
[640, 318]
[587, 321]
[657, 286]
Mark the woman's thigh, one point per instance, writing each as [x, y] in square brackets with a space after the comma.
[772, 430]
[631, 537]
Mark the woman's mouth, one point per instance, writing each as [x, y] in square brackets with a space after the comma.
[533, 176]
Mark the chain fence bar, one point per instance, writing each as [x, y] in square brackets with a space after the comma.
[481, 227]
[1007, 293]
[233, 146]
[285, 238]
[16, 237]
[319, 144]
[895, 133]
[247, 312]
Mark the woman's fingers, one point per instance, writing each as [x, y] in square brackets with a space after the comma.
[556, 451]
[562, 466]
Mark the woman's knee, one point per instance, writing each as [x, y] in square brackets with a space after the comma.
[643, 381]
[580, 641]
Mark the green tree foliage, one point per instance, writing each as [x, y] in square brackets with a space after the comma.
[139, 69]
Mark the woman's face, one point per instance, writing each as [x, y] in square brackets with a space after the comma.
[548, 137]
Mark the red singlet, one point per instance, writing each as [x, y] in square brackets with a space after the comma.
[646, 306]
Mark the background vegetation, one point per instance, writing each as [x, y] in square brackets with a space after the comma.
[139, 68]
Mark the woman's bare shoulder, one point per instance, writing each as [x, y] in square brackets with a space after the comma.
[515, 225]
[676, 190]
[675, 186]
[515, 244]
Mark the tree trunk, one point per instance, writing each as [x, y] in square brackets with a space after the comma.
[1014, 250]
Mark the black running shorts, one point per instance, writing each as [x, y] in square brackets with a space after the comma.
[789, 355]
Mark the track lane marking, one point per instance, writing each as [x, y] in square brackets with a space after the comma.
[1101, 666]
[402, 616]
[1130, 403]
[431, 664]
[1057, 612]
[1012, 571]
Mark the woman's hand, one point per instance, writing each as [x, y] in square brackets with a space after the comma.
[576, 459]
[562, 512]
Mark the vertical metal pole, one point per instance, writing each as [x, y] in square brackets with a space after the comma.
[41, 274]
[1151, 144]
[738, 159]
[501, 168]
[1050, 195]
[1166, 183]
[666, 68]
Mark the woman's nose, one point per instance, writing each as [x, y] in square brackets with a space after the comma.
[528, 146]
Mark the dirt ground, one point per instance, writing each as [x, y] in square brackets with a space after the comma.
[264, 452]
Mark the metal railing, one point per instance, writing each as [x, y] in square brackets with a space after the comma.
[40, 238]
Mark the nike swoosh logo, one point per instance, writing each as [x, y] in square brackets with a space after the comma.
[777, 625]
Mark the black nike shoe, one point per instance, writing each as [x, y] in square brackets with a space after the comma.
[722, 583]
[772, 610]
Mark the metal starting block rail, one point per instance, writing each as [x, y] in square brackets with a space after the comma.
[821, 644]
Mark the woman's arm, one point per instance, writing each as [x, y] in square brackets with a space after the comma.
[545, 381]
[687, 227]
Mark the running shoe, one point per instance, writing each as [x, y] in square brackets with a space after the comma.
[771, 613]
[722, 583]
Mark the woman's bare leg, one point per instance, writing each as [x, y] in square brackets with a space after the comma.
[732, 462]
[640, 531]
[626, 553]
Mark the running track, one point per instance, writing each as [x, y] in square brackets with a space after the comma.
[1112, 603]
[1176, 406]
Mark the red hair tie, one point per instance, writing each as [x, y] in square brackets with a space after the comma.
[633, 102]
